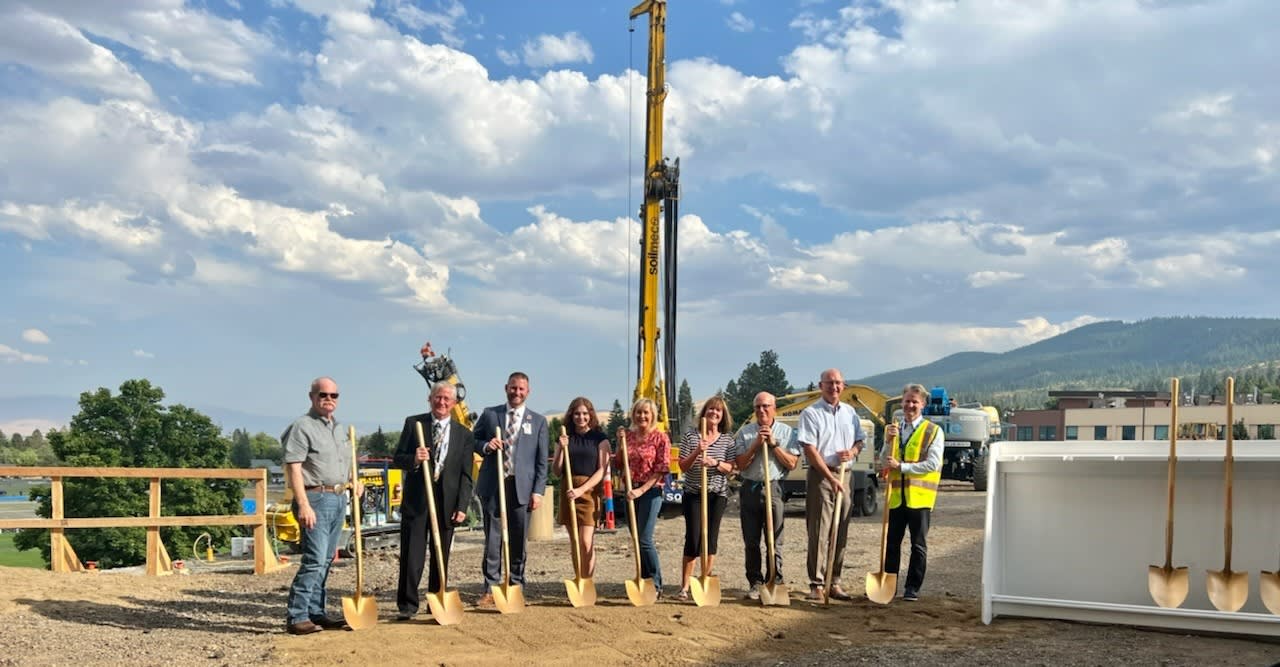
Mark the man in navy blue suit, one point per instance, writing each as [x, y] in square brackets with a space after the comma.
[524, 444]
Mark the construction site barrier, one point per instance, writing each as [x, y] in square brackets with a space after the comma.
[62, 558]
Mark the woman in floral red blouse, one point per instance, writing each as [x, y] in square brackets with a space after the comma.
[649, 455]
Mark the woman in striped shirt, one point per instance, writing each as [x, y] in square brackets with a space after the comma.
[696, 451]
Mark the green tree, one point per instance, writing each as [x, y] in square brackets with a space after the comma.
[267, 447]
[1239, 431]
[241, 449]
[684, 405]
[133, 429]
[617, 419]
[763, 375]
[378, 444]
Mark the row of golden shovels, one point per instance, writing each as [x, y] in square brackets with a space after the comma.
[1228, 590]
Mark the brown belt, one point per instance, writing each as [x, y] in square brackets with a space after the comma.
[325, 488]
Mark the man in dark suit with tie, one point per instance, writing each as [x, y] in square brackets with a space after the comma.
[524, 444]
[450, 448]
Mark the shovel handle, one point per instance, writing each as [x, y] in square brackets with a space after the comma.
[1174, 392]
[502, 510]
[1229, 464]
[429, 481]
[355, 512]
[888, 493]
[768, 513]
[835, 533]
[573, 508]
[631, 503]
[702, 493]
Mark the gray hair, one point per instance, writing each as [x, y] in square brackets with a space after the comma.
[443, 386]
[915, 388]
[315, 384]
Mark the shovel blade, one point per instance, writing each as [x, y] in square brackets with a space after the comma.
[1269, 585]
[446, 607]
[1168, 585]
[775, 595]
[882, 586]
[508, 598]
[705, 590]
[360, 612]
[1228, 591]
[582, 592]
[641, 592]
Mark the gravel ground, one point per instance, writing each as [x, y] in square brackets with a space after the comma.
[221, 615]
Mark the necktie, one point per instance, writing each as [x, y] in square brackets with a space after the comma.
[441, 447]
[512, 432]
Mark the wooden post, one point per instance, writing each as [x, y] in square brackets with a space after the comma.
[158, 563]
[264, 553]
[62, 558]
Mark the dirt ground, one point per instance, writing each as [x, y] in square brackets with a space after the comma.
[218, 615]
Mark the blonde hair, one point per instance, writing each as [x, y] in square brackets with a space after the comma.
[644, 403]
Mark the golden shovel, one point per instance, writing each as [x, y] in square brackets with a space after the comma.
[772, 593]
[1228, 590]
[835, 533]
[445, 605]
[1269, 587]
[582, 590]
[360, 611]
[706, 588]
[882, 586]
[640, 591]
[507, 597]
[1168, 584]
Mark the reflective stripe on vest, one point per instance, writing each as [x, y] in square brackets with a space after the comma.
[922, 490]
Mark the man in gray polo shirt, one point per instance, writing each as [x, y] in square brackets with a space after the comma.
[317, 464]
[758, 442]
[831, 434]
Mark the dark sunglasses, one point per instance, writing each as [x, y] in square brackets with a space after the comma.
[323, 395]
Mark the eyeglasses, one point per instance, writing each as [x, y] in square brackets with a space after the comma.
[323, 395]
[765, 406]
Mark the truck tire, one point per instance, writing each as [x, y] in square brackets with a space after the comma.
[870, 501]
[980, 472]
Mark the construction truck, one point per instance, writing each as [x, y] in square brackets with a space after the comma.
[969, 430]
[383, 487]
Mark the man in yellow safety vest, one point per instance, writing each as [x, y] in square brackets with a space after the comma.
[914, 471]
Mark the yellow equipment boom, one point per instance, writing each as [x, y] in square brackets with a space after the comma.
[657, 259]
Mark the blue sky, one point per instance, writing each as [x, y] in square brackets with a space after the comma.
[230, 198]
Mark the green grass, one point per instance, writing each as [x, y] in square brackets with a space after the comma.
[11, 557]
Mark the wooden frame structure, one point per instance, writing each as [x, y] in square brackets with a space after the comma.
[63, 558]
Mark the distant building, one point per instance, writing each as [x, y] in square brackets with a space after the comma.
[1139, 415]
[275, 474]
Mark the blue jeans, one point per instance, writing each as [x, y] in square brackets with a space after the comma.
[648, 507]
[306, 595]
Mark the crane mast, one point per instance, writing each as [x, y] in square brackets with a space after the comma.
[658, 215]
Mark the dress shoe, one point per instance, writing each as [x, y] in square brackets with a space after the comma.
[486, 601]
[838, 593]
[330, 623]
[303, 628]
[405, 615]
[911, 595]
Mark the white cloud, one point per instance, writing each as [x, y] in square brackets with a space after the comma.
[143, 354]
[35, 336]
[10, 355]
[26, 426]
[445, 22]
[739, 23]
[989, 278]
[553, 50]
[53, 46]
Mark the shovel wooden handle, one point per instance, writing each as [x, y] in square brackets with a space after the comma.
[1173, 471]
[888, 493]
[429, 480]
[573, 508]
[631, 503]
[502, 511]
[1230, 464]
[355, 513]
[768, 511]
[702, 465]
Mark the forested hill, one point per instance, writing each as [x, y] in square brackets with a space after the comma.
[1105, 355]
